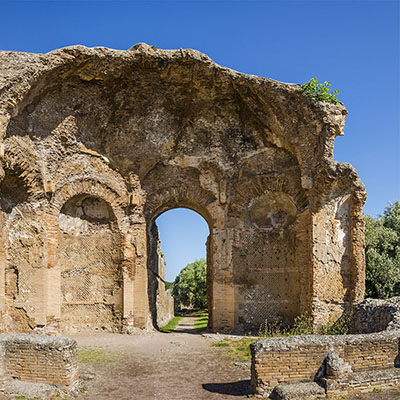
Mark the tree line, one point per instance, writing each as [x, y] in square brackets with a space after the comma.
[190, 286]
[382, 253]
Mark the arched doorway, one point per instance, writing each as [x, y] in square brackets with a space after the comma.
[90, 266]
[177, 237]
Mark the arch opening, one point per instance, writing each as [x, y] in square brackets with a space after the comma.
[178, 239]
[13, 191]
[90, 257]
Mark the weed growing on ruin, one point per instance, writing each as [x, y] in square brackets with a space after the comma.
[271, 329]
[340, 327]
[320, 91]
[303, 325]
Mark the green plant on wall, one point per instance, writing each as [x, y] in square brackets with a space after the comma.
[320, 91]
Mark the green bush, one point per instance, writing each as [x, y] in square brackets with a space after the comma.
[382, 253]
[319, 91]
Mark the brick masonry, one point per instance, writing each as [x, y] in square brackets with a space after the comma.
[340, 364]
[89, 159]
[38, 359]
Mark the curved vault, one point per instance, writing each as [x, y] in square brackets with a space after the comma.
[146, 130]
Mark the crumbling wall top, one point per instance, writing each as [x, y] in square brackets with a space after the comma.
[278, 112]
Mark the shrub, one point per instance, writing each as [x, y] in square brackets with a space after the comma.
[319, 91]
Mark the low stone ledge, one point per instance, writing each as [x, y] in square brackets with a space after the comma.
[298, 391]
[361, 382]
[38, 364]
[37, 339]
[285, 343]
[30, 390]
[341, 362]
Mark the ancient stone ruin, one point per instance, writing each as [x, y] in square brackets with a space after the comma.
[331, 366]
[97, 143]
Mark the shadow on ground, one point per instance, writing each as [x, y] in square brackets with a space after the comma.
[239, 388]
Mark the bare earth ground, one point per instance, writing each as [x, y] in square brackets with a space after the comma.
[163, 366]
[181, 365]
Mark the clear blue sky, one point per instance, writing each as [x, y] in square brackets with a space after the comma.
[352, 44]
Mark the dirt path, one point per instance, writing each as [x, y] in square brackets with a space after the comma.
[181, 365]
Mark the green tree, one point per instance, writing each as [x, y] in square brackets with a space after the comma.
[382, 253]
[190, 286]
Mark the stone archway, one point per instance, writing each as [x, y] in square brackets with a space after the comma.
[146, 130]
[156, 263]
[160, 301]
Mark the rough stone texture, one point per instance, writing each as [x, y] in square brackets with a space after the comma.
[96, 143]
[38, 365]
[298, 391]
[341, 364]
[375, 315]
[161, 300]
[31, 390]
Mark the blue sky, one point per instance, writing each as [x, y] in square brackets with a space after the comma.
[352, 44]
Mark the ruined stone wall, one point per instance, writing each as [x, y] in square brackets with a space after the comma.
[376, 315]
[38, 359]
[165, 306]
[135, 133]
[161, 300]
[341, 364]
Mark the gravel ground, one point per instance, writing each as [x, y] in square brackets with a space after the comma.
[165, 366]
[181, 365]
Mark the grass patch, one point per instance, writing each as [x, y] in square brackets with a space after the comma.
[238, 350]
[221, 344]
[171, 324]
[201, 323]
[94, 355]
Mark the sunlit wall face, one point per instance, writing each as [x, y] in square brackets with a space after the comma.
[183, 235]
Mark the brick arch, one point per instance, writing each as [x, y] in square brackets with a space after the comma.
[246, 191]
[180, 196]
[92, 188]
